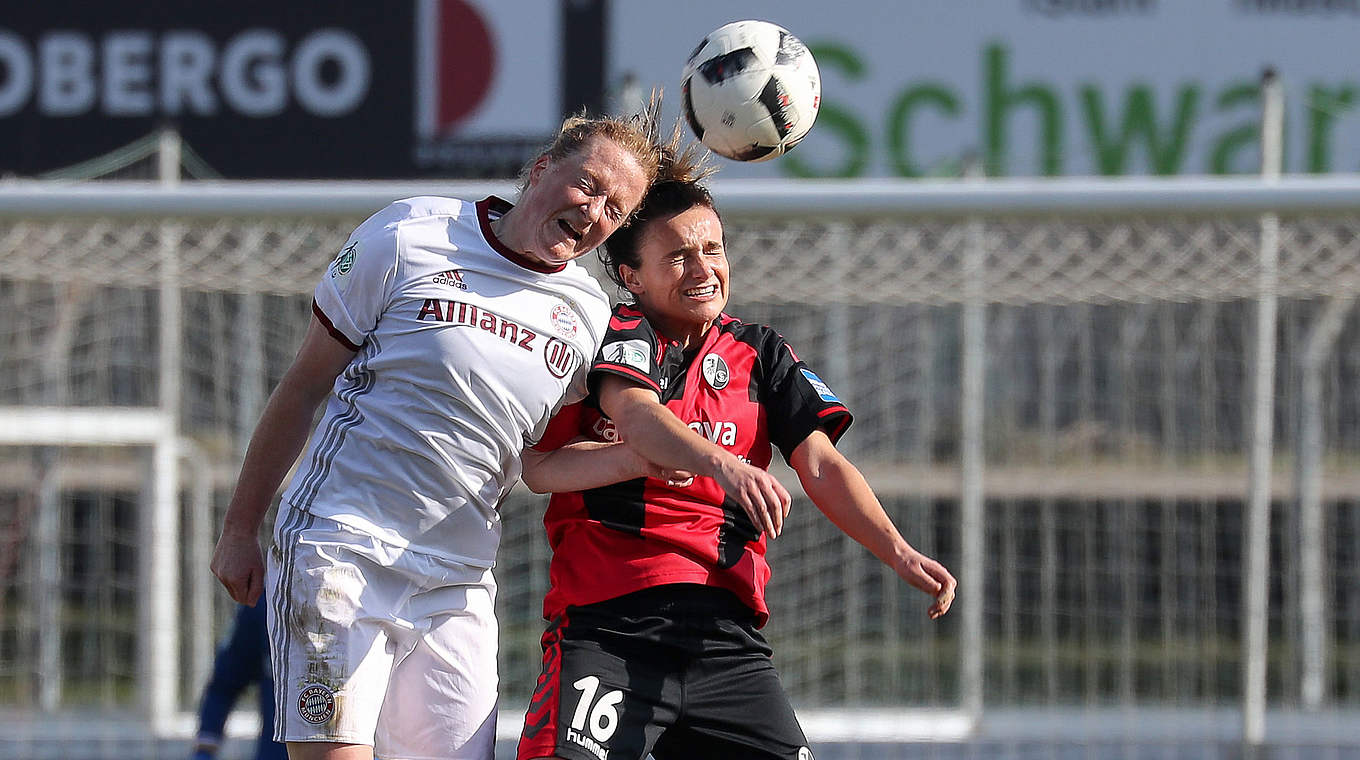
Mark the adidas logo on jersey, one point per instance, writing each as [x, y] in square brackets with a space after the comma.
[452, 277]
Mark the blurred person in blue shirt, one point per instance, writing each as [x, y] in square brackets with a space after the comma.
[243, 659]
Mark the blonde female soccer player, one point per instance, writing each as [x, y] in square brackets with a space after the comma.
[444, 336]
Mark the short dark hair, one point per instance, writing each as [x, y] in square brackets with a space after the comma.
[663, 200]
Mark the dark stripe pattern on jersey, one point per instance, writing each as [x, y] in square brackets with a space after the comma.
[619, 506]
[357, 381]
[543, 706]
[295, 523]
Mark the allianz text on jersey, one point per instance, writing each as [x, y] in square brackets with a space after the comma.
[1041, 86]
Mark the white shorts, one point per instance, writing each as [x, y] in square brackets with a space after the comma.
[379, 646]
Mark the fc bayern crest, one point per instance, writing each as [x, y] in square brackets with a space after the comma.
[316, 704]
[564, 320]
[715, 372]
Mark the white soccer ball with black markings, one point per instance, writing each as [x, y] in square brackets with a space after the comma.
[750, 90]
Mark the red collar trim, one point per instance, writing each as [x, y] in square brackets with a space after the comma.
[714, 331]
[499, 206]
[630, 310]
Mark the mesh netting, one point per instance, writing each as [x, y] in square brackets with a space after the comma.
[1118, 365]
[1052, 260]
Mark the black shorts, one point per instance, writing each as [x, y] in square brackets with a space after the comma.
[679, 671]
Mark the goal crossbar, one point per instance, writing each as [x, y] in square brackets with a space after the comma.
[745, 197]
[84, 426]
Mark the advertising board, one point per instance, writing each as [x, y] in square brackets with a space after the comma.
[306, 89]
[1039, 87]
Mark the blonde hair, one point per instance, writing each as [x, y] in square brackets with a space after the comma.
[678, 187]
[687, 164]
[639, 134]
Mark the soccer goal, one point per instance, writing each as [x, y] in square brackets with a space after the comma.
[1062, 389]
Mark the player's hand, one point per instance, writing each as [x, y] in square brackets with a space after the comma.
[931, 577]
[758, 492]
[239, 564]
[646, 468]
[674, 478]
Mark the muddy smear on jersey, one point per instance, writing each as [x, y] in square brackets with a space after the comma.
[320, 619]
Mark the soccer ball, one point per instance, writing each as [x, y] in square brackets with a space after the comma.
[750, 90]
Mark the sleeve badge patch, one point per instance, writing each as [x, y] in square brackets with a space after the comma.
[345, 261]
[823, 390]
[630, 353]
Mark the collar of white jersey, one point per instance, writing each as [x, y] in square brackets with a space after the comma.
[493, 207]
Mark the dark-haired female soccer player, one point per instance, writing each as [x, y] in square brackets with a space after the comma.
[657, 587]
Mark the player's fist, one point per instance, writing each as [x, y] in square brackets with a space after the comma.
[646, 468]
[239, 565]
[760, 494]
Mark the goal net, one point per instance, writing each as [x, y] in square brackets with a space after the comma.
[1054, 395]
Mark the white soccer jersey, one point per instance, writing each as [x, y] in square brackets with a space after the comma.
[465, 351]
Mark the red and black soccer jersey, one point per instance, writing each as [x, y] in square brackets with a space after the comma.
[743, 389]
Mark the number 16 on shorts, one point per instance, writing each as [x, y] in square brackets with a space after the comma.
[596, 716]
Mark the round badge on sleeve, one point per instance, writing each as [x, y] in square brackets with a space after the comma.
[316, 704]
[715, 372]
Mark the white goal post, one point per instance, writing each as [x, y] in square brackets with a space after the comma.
[1084, 472]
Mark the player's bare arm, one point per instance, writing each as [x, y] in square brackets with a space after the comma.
[282, 431]
[583, 464]
[661, 437]
[840, 491]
